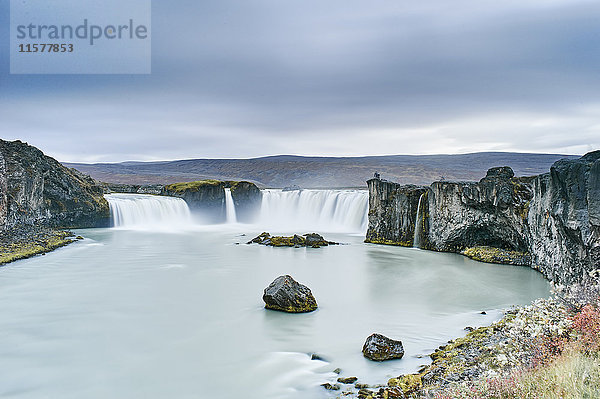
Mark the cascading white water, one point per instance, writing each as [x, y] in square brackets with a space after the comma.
[324, 210]
[314, 210]
[229, 207]
[418, 225]
[148, 211]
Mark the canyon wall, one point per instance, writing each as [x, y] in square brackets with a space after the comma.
[37, 190]
[549, 222]
[564, 219]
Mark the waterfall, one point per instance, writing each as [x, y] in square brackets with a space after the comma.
[301, 211]
[148, 211]
[319, 210]
[418, 225]
[229, 207]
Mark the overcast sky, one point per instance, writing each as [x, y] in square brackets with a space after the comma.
[250, 78]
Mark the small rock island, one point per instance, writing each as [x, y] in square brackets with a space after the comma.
[312, 240]
[287, 295]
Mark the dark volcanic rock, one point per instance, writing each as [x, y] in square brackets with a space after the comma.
[330, 387]
[205, 197]
[155, 189]
[312, 240]
[347, 380]
[550, 222]
[287, 295]
[392, 212]
[503, 172]
[247, 198]
[379, 348]
[38, 190]
[564, 219]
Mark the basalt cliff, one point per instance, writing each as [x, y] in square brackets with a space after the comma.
[550, 222]
[36, 190]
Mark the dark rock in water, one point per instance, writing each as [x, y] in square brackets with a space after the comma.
[263, 239]
[330, 387]
[312, 240]
[379, 348]
[315, 356]
[287, 295]
[338, 370]
[365, 393]
[347, 380]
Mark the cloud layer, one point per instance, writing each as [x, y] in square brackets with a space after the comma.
[341, 77]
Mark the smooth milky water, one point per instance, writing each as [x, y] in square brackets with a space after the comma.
[140, 311]
[326, 210]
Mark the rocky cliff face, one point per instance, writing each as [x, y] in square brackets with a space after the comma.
[247, 198]
[490, 213]
[205, 198]
[392, 212]
[552, 220]
[564, 219]
[37, 190]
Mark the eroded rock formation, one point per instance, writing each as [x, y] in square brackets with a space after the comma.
[37, 190]
[551, 221]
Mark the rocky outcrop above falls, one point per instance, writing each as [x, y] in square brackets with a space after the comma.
[551, 222]
[392, 212]
[37, 190]
[155, 189]
[207, 198]
[247, 198]
[204, 197]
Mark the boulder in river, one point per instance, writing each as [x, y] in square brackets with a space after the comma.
[287, 295]
[379, 348]
[312, 240]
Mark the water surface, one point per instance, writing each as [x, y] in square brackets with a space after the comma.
[157, 314]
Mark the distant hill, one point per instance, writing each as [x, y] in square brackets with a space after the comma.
[322, 172]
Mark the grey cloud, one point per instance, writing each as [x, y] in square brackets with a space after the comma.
[261, 77]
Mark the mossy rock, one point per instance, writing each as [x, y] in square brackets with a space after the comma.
[192, 186]
[498, 256]
[312, 240]
[287, 295]
[409, 383]
[41, 244]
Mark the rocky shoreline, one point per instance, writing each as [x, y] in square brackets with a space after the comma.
[26, 242]
[484, 353]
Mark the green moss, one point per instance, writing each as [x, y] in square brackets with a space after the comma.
[383, 241]
[410, 383]
[23, 250]
[192, 186]
[497, 255]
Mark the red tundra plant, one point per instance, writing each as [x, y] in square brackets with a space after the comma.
[586, 325]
